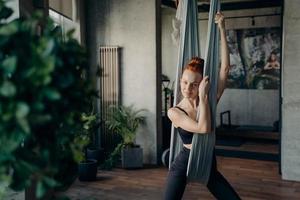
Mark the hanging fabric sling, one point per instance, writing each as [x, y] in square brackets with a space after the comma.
[187, 38]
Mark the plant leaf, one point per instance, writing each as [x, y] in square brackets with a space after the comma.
[22, 110]
[40, 189]
[9, 65]
[9, 29]
[7, 89]
[52, 94]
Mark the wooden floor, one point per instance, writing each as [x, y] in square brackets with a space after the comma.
[252, 180]
[253, 147]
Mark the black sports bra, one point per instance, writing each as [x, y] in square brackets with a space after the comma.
[185, 135]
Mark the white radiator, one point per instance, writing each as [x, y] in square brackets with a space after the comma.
[109, 88]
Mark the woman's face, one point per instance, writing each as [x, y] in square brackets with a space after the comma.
[189, 83]
[273, 57]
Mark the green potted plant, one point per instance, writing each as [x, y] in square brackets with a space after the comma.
[93, 150]
[88, 166]
[91, 123]
[43, 92]
[125, 120]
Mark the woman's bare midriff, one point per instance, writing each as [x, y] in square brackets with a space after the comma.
[189, 146]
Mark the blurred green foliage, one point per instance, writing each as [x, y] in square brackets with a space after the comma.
[43, 97]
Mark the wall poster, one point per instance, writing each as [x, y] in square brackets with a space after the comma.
[254, 58]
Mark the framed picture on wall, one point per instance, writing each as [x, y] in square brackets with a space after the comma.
[254, 58]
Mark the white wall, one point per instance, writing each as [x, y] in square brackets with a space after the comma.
[13, 4]
[169, 50]
[248, 107]
[132, 26]
[291, 92]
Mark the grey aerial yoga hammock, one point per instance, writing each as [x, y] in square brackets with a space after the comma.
[186, 31]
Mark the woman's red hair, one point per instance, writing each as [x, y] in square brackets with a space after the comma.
[196, 64]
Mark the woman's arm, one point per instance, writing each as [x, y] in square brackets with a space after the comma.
[225, 63]
[179, 119]
[277, 65]
[267, 66]
[204, 117]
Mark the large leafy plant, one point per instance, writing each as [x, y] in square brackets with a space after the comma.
[43, 93]
[123, 120]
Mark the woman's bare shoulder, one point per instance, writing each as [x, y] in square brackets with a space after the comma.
[173, 111]
[174, 115]
[177, 108]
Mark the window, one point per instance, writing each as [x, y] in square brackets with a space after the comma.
[66, 24]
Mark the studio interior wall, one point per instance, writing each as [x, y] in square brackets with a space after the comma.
[130, 25]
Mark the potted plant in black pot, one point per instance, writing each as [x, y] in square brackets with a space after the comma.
[125, 120]
[95, 153]
[91, 123]
[93, 150]
[43, 92]
[87, 167]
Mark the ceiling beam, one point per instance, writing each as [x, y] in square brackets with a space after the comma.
[168, 3]
[234, 5]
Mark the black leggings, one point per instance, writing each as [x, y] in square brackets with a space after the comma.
[176, 180]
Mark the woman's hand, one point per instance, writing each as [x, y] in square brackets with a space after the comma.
[219, 19]
[204, 88]
[177, 3]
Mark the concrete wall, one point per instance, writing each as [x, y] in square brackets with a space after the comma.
[291, 92]
[248, 107]
[132, 26]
